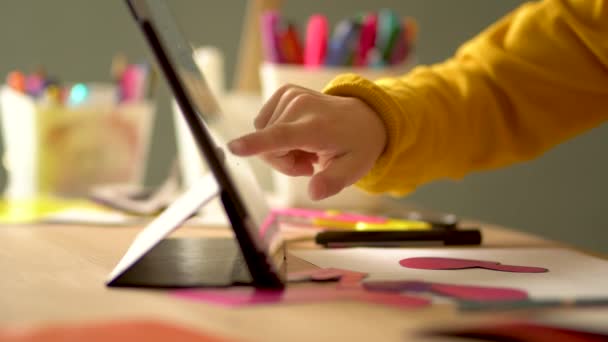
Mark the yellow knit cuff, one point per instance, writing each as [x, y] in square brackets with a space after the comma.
[351, 85]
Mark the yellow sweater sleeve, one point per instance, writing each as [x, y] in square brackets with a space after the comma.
[530, 81]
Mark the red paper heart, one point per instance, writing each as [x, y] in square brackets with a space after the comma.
[434, 263]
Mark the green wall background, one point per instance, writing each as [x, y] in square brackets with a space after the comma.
[561, 195]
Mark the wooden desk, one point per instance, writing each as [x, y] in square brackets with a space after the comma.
[57, 273]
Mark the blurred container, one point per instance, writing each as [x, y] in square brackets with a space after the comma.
[56, 149]
[293, 191]
[192, 166]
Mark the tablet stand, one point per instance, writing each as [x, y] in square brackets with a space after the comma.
[153, 261]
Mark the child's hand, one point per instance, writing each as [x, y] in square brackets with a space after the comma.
[298, 128]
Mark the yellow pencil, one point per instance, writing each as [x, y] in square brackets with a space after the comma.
[391, 224]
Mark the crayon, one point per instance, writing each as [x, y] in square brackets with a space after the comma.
[16, 80]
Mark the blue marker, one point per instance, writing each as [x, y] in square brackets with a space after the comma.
[343, 43]
[78, 94]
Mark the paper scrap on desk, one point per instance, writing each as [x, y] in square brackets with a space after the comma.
[573, 274]
[247, 296]
[346, 279]
[460, 292]
[91, 217]
[115, 331]
[592, 320]
[431, 263]
[351, 280]
[323, 274]
[515, 331]
[59, 210]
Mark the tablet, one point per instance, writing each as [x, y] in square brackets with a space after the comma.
[255, 255]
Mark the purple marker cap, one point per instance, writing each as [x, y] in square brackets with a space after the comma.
[271, 39]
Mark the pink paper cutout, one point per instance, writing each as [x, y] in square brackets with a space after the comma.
[326, 274]
[432, 263]
[461, 292]
[397, 286]
[246, 296]
[391, 299]
[348, 288]
[301, 276]
[351, 280]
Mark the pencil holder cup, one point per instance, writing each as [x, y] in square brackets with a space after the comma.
[57, 149]
[210, 62]
[293, 191]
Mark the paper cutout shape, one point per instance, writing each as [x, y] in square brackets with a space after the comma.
[323, 274]
[390, 299]
[351, 280]
[348, 288]
[461, 292]
[397, 286]
[246, 296]
[431, 263]
[347, 278]
[115, 331]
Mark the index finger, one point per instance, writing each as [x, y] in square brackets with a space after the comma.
[280, 137]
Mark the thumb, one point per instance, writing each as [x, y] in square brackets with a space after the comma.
[339, 174]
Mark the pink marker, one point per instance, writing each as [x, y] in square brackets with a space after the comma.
[367, 39]
[132, 83]
[311, 214]
[34, 85]
[317, 33]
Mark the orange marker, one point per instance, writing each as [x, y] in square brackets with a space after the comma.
[411, 29]
[291, 48]
[16, 80]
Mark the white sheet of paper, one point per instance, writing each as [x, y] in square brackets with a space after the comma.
[571, 274]
[91, 216]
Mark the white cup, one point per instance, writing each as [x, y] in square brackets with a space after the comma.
[55, 149]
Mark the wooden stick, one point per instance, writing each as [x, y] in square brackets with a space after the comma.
[250, 56]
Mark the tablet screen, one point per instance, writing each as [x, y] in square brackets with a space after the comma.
[219, 126]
